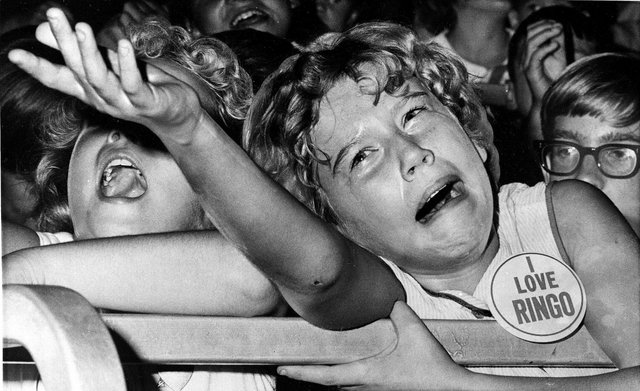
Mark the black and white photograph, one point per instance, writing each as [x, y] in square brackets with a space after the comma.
[284, 195]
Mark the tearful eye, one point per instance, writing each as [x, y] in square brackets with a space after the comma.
[411, 114]
[359, 157]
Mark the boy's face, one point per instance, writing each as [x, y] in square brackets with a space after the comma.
[214, 16]
[592, 132]
[404, 178]
[117, 187]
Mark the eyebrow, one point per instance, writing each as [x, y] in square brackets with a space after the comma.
[406, 98]
[619, 136]
[607, 138]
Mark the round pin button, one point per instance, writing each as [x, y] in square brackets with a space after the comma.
[537, 298]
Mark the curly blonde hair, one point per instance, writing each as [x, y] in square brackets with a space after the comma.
[279, 126]
[208, 59]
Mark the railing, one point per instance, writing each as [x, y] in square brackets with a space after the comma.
[65, 336]
[73, 350]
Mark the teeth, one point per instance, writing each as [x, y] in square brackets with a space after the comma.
[245, 15]
[437, 200]
[120, 162]
[106, 175]
[435, 193]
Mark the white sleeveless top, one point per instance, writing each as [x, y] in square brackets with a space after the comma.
[526, 223]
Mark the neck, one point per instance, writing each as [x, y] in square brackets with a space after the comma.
[468, 276]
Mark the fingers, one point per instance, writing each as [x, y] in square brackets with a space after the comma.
[113, 60]
[139, 10]
[51, 75]
[66, 39]
[95, 69]
[132, 82]
[136, 11]
[539, 36]
[156, 8]
[45, 35]
[336, 375]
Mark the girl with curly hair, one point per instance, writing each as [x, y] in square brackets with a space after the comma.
[391, 174]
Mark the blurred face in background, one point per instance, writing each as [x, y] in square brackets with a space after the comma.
[214, 16]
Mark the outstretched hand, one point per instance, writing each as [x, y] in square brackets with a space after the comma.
[164, 103]
[416, 362]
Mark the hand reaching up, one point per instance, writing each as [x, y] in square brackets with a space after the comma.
[167, 103]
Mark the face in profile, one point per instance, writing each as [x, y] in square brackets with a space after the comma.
[403, 178]
[117, 185]
[588, 131]
[214, 16]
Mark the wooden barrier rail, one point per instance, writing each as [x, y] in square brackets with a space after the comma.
[65, 336]
[68, 339]
[206, 340]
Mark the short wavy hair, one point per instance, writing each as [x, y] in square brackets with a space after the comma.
[284, 113]
[605, 86]
[207, 58]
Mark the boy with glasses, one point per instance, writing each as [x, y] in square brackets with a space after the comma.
[591, 128]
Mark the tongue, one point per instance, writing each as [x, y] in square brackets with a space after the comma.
[126, 182]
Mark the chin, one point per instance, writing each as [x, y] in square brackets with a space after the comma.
[118, 227]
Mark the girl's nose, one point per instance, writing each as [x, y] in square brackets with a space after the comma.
[414, 157]
[590, 173]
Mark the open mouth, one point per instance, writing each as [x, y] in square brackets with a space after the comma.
[122, 179]
[249, 18]
[438, 199]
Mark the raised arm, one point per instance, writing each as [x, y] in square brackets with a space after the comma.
[177, 272]
[327, 279]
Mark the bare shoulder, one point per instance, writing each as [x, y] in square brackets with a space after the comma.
[577, 204]
[16, 237]
[589, 223]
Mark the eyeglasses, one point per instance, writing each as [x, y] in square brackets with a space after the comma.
[564, 158]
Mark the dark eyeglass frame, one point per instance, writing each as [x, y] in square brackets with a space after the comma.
[540, 146]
